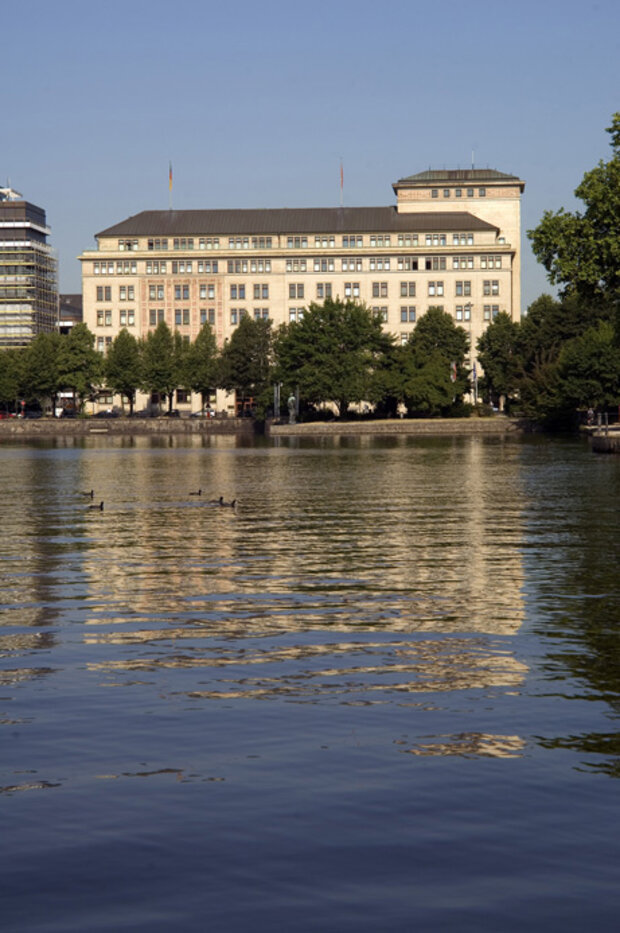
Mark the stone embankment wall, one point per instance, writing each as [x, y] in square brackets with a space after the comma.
[27, 428]
[498, 425]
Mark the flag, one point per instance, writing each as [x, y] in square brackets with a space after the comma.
[341, 176]
[170, 176]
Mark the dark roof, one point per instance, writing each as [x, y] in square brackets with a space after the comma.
[287, 221]
[438, 176]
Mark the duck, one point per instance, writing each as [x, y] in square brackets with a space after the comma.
[198, 492]
[99, 508]
[89, 495]
[229, 505]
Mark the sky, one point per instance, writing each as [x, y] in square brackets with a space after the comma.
[256, 104]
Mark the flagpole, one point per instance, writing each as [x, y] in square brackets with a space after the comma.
[341, 184]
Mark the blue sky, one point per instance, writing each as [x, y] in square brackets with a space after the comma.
[256, 103]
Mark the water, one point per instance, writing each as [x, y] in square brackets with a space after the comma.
[380, 694]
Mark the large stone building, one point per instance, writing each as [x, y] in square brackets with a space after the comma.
[451, 240]
[28, 272]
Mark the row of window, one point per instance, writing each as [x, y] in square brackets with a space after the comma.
[352, 264]
[458, 192]
[321, 241]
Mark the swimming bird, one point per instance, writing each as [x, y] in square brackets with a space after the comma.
[99, 507]
[197, 493]
[89, 495]
[229, 505]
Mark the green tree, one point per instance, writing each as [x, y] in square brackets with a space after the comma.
[11, 375]
[581, 250]
[41, 368]
[123, 366]
[159, 363]
[435, 373]
[79, 364]
[499, 358]
[589, 369]
[332, 353]
[202, 363]
[246, 361]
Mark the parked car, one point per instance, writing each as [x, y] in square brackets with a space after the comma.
[68, 413]
[108, 413]
[203, 413]
[33, 413]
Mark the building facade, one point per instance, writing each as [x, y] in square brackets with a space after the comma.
[452, 240]
[28, 272]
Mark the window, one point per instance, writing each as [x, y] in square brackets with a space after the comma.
[158, 243]
[104, 293]
[156, 316]
[407, 314]
[239, 242]
[296, 265]
[462, 262]
[446, 192]
[435, 288]
[463, 288]
[323, 289]
[407, 263]
[352, 241]
[490, 312]
[435, 239]
[127, 318]
[470, 192]
[237, 291]
[490, 262]
[435, 263]
[482, 192]
[407, 239]
[324, 241]
[463, 312]
[207, 316]
[233, 316]
[379, 263]
[463, 239]
[207, 265]
[352, 265]
[434, 192]
[351, 289]
[296, 291]
[379, 289]
[261, 291]
[295, 314]
[297, 242]
[261, 314]
[458, 192]
[209, 242]
[380, 239]
[261, 242]
[490, 287]
[237, 266]
[407, 289]
[324, 265]
[259, 265]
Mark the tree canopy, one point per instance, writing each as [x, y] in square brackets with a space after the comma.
[581, 250]
[332, 353]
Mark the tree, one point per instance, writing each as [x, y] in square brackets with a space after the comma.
[159, 365]
[581, 251]
[245, 362]
[123, 367]
[332, 353]
[589, 369]
[79, 364]
[202, 363]
[11, 375]
[435, 375]
[41, 367]
[498, 356]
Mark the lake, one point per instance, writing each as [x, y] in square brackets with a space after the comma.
[380, 693]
